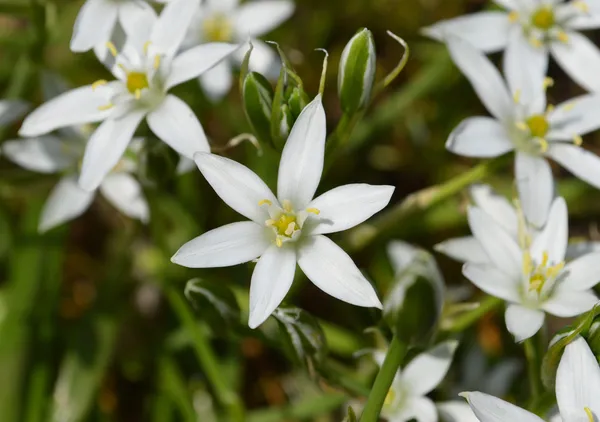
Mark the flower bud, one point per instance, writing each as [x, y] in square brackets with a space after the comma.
[297, 100]
[257, 95]
[413, 306]
[357, 72]
[285, 123]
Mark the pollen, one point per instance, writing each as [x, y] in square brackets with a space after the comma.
[589, 414]
[543, 18]
[513, 16]
[264, 202]
[136, 81]
[538, 125]
[217, 28]
[99, 83]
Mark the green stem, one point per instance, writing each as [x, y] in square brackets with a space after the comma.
[303, 410]
[365, 234]
[226, 397]
[393, 359]
[467, 319]
[533, 369]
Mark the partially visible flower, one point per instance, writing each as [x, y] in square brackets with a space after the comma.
[226, 21]
[534, 280]
[577, 391]
[287, 229]
[67, 201]
[522, 122]
[407, 398]
[11, 110]
[529, 30]
[145, 71]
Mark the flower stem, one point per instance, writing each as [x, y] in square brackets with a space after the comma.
[383, 381]
[467, 319]
[227, 397]
[533, 368]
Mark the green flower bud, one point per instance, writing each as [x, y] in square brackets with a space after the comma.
[357, 72]
[257, 95]
[297, 100]
[285, 123]
[413, 305]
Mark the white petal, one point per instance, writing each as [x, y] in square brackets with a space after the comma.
[486, 31]
[106, 147]
[428, 369]
[491, 409]
[421, 409]
[334, 272]
[137, 19]
[11, 110]
[75, 107]
[401, 254]
[222, 5]
[565, 303]
[45, 154]
[175, 123]
[499, 246]
[125, 193]
[66, 202]
[198, 60]
[580, 59]
[263, 60]
[492, 281]
[578, 116]
[456, 411]
[578, 20]
[228, 245]
[479, 137]
[496, 206]
[346, 206]
[94, 24]
[580, 248]
[463, 249]
[237, 185]
[217, 81]
[578, 380]
[172, 24]
[535, 186]
[555, 235]
[271, 280]
[582, 163]
[582, 273]
[185, 165]
[302, 158]
[525, 68]
[484, 78]
[523, 322]
[257, 18]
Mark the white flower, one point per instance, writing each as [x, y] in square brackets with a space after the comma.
[97, 19]
[145, 72]
[577, 391]
[67, 201]
[287, 229]
[534, 280]
[407, 398]
[226, 21]
[529, 30]
[523, 123]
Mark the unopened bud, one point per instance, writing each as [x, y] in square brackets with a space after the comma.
[257, 95]
[357, 72]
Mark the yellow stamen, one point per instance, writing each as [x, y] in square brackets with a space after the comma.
[548, 82]
[517, 96]
[147, 46]
[522, 126]
[290, 228]
[138, 94]
[536, 282]
[111, 47]
[99, 83]
[538, 125]
[513, 16]
[156, 62]
[577, 140]
[543, 144]
[549, 109]
[136, 81]
[563, 37]
[313, 211]
[287, 205]
[278, 242]
[544, 258]
[589, 414]
[389, 397]
[269, 222]
[217, 28]
[263, 202]
[569, 107]
[535, 42]
[527, 265]
[106, 107]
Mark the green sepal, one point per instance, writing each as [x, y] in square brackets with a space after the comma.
[257, 96]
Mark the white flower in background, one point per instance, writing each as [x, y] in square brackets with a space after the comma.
[67, 201]
[97, 19]
[287, 229]
[577, 391]
[534, 280]
[145, 72]
[528, 30]
[228, 21]
[407, 398]
[522, 122]
[11, 110]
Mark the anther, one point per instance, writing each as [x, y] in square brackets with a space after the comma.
[549, 109]
[522, 126]
[138, 94]
[535, 42]
[269, 222]
[563, 37]
[290, 229]
[106, 107]
[517, 96]
[156, 62]
[278, 242]
[99, 83]
[314, 211]
[548, 82]
[113, 50]
[577, 140]
[543, 144]
[263, 202]
[589, 414]
[147, 46]
[513, 16]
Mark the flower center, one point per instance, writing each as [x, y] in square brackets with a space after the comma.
[136, 81]
[538, 125]
[543, 18]
[217, 28]
[286, 222]
[538, 276]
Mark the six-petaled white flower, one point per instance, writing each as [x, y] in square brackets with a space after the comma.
[531, 29]
[533, 280]
[145, 72]
[577, 391]
[522, 122]
[287, 229]
[227, 21]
